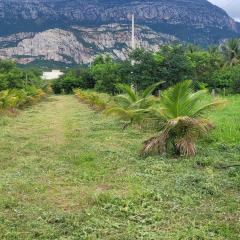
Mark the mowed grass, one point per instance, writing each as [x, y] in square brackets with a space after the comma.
[227, 122]
[67, 172]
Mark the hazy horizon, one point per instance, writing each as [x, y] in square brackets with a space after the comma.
[232, 7]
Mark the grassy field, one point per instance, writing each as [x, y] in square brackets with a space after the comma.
[69, 173]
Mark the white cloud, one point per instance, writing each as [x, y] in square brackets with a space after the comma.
[231, 6]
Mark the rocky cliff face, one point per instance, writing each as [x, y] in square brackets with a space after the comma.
[12, 40]
[75, 30]
[80, 44]
[190, 12]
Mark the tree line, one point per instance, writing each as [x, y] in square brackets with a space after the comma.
[13, 77]
[217, 68]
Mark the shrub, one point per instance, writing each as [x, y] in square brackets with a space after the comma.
[95, 100]
[74, 78]
[180, 113]
[132, 106]
[228, 77]
[18, 98]
[13, 77]
[106, 76]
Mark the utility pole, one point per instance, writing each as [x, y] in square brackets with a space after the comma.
[26, 79]
[133, 48]
[133, 31]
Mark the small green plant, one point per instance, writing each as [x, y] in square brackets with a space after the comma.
[180, 114]
[132, 106]
[231, 52]
[95, 100]
[17, 98]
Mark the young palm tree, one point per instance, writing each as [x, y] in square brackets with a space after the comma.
[231, 52]
[180, 113]
[132, 106]
[8, 99]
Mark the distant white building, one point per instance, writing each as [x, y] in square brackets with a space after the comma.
[54, 74]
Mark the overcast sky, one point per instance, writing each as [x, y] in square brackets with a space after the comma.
[231, 6]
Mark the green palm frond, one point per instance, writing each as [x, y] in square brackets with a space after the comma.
[123, 100]
[175, 100]
[126, 89]
[181, 100]
[209, 106]
[120, 112]
[180, 114]
[130, 115]
[133, 106]
[149, 90]
[15, 98]
[231, 52]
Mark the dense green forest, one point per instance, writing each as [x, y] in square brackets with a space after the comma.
[215, 68]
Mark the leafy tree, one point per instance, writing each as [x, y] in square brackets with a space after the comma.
[146, 69]
[32, 77]
[102, 59]
[191, 48]
[6, 66]
[213, 50]
[125, 72]
[67, 83]
[106, 76]
[227, 77]
[172, 64]
[87, 80]
[181, 117]
[231, 52]
[13, 77]
[72, 79]
[204, 64]
[177, 64]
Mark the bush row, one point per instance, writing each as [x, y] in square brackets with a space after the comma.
[18, 98]
[216, 69]
[97, 101]
[177, 114]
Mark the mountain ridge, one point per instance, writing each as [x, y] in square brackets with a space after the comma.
[105, 10]
[79, 44]
[196, 21]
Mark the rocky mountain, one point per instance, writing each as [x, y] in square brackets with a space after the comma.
[75, 30]
[79, 44]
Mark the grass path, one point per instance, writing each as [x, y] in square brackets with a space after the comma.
[47, 164]
[69, 173]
